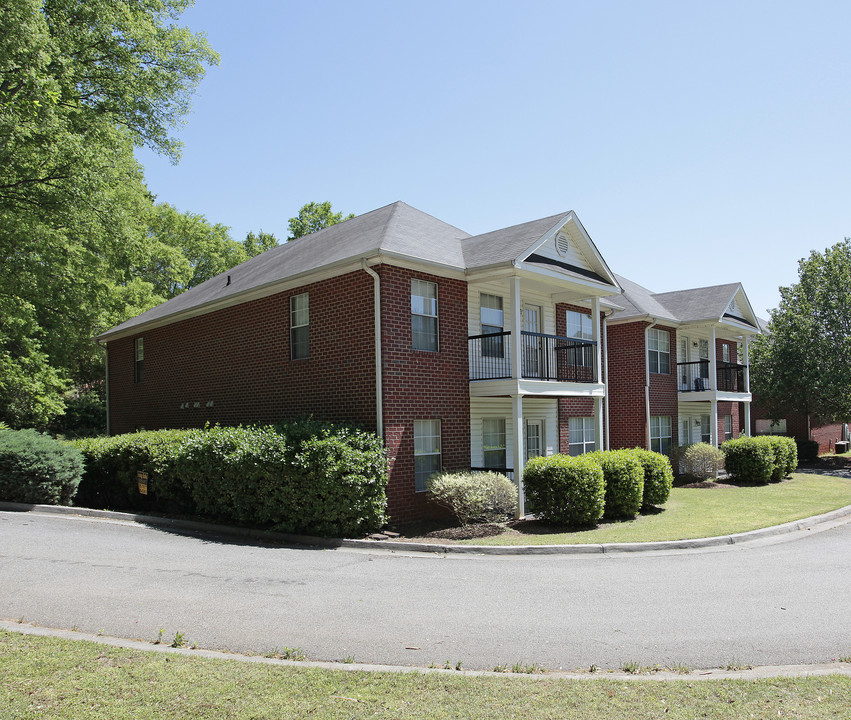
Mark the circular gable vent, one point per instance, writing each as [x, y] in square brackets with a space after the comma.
[562, 244]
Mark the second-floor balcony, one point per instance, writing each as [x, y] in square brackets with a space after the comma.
[694, 377]
[542, 357]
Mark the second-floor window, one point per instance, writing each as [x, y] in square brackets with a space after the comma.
[659, 351]
[493, 321]
[423, 315]
[299, 326]
[725, 353]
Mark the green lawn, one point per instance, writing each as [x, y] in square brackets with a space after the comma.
[54, 679]
[700, 512]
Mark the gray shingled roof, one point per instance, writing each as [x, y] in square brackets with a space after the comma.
[638, 301]
[507, 244]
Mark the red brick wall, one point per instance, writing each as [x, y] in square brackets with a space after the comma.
[233, 365]
[796, 427]
[724, 409]
[627, 376]
[422, 385]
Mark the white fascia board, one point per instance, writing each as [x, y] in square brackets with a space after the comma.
[592, 287]
[412, 263]
[709, 395]
[535, 388]
[663, 321]
[748, 304]
[327, 272]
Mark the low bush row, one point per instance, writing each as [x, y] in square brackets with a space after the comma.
[301, 477]
[760, 459]
[36, 469]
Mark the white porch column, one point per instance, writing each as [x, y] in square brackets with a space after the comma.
[713, 424]
[595, 336]
[713, 360]
[746, 421]
[746, 359]
[516, 326]
[519, 452]
[598, 425]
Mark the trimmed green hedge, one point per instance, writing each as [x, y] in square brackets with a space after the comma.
[302, 477]
[474, 496]
[760, 459]
[624, 478]
[564, 489]
[807, 450]
[35, 468]
[658, 476]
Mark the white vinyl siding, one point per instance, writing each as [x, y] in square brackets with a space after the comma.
[426, 451]
[424, 315]
[581, 435]
[545, 409]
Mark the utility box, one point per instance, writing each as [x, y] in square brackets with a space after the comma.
[841, 446]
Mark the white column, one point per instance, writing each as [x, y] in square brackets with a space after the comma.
[598, 424]
[713, 424]
[713, 361]
[746, 359]
[516, 326]
[595, 336]
[519, 452]
[746, 422]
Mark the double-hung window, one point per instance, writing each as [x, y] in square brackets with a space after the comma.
[728, 426]
[423, 315]
[299, 326]
[660, 434]
[426, 451]
[139, 362]
[725, 353]
[493, 442]
[659, 351]
[579, 327]
[581, 435]
[493, 320]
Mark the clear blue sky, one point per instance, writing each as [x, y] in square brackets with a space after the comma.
[699, 143]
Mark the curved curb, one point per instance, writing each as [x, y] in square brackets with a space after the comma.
[398, 546]
[753, 673]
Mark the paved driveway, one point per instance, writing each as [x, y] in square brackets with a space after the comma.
[778, 602]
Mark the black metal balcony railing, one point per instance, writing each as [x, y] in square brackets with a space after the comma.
[543, 357]
[694, 376]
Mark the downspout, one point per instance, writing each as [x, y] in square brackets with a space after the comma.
[606, 370]
[647, 382]
[379, 390]
[106, 347]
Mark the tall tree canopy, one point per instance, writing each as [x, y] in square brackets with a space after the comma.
[314, 216]
[803, 363]
[81, 84]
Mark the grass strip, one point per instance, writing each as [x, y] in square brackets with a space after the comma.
[42, 677]
[700, 512]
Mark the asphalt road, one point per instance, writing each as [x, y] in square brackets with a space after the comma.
[785, 601]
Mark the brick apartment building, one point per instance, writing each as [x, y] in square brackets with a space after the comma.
[459, 350]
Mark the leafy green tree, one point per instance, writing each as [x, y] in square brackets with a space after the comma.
[81, 84]
[803, 363]
[256, 244]
[312, 217]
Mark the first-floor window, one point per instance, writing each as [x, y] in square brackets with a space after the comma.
[493, 442]
[299, 326]
[581, 435]
[728, 427]
[426, 451]
[660, 434]
[140, 360]
[705, 431]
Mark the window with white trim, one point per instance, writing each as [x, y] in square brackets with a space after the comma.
[299, 326]
[581, 435]
[493, 321]
[493, 442]
[728, 426]
[771, 427]
[139, 359]
[660, 434]
[579, 327]
[659, 351]
[725, 353]
[426, 451]
[423, 315]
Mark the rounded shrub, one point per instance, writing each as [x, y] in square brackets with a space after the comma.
[701, 460]
[749, 460]
[474, 497]
[566, 490]
[624, 478]
[658, 476]
[35, 468]
[807, 450]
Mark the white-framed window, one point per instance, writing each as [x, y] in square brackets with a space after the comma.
[659, 351]
[771, 427]
[581, 435]
[139, 359]
[705, 432]
[728, 426]
[423, 315]
[426, 451]
[493, 442]
[579, 327]
[660, 434]
[299, 326]
[493, 321]
[725, 353]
